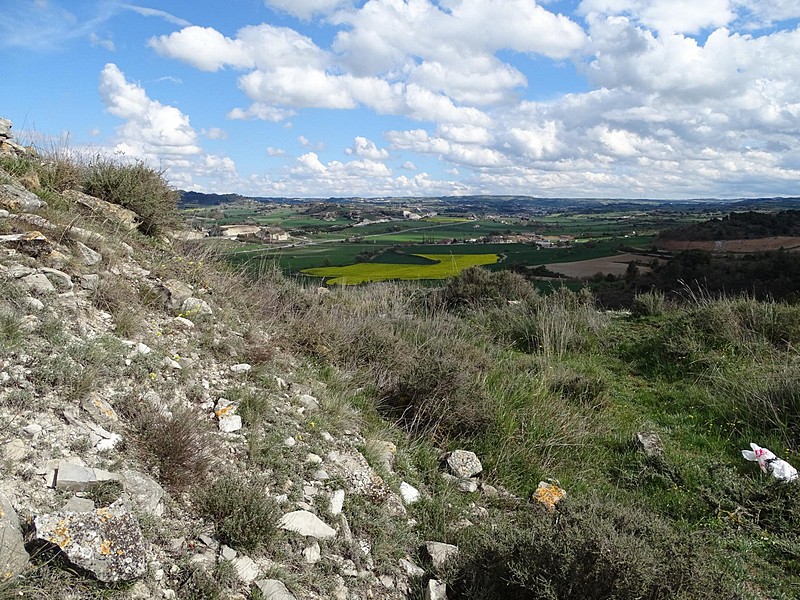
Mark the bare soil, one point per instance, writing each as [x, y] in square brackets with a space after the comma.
[736, 246]
[616, 265]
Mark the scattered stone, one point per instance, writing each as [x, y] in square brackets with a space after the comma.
[409, 493]
[464, 464]
[309, 402]
[18, 271]
[78, 505]
[336, 503]
[272, 589]
[174, 293]
[77, 478]
[650, 443]
[246, 569]
[38, 284]
[184, 322]
[290, 442]
[86, 255]
[435, 590]
[32, 430]
[468, 486]
[90, 282]
[549, 494]
[307, 524]
[145, 492]
[192, 307]
[13, 557]
[241, 368]
[227, 553]
[15, 450]
[313, 459]
[100, 410]
[61, 281]
[411, 569]
[106, 542]
[312, 553]
[230, 423]
[440, 553]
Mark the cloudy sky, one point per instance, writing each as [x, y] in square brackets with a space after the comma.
[611, 98]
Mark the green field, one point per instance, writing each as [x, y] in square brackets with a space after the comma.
[445, 265]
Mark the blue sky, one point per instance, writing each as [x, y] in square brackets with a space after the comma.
[602, 98]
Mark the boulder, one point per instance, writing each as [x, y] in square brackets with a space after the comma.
[106, 542]
[38, 283]
[32, 243]
[194, 307]
[13, 557]
[17, 199]
[59, 279]
[464, 464]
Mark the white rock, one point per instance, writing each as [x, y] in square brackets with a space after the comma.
[184, 322]
[409, 493]
[411, 569]
[227, 553]
[86, 255]
[336, 503]
[33, 430]
[38, 284]
[290, 442]
[312, 553]
[109, 443]
[313, 459]
[195, 306]
[309, 402]
[143, 349]
[241, 368]
[246, 569]
[272, 589]
[230, 423]
[464, 463]
[307, 524]
[435, 590]
[440, 553]
[15, 450]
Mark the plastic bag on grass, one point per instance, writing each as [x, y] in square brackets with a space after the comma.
[769, 463]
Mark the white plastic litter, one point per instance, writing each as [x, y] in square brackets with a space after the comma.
[769, 463]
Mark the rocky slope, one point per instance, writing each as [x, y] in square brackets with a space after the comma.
[157, 441]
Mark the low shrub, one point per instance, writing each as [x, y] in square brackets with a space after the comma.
[244, 514]
[176, 446]
[595, 550]
[134, 186]
[476, 287]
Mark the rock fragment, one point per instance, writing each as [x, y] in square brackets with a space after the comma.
[440, 552]
[106, 542]
[464, 464]
[272, 589]
[307, 524]
[13, 557]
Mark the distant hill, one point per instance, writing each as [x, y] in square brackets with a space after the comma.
[748, 225]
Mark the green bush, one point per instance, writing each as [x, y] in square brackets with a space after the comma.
[476, 287]
[136, 187]
[596, 550]
[244, 515]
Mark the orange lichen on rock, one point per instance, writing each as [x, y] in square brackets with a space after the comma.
[549, 494]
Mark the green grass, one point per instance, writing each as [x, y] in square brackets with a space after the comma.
[444, 267]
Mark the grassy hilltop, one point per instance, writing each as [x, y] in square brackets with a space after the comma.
[540, 387]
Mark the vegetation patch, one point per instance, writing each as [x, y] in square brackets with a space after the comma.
[445, 266]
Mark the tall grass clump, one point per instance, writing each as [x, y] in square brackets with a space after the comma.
[134, 186]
